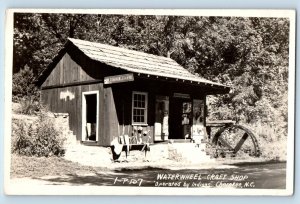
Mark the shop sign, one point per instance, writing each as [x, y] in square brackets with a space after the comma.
[118, 78]
[181, 95]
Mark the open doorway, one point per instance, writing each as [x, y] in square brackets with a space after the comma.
[161, 126]
[180, 118]
[90, 109]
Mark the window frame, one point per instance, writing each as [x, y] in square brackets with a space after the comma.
[133, 108]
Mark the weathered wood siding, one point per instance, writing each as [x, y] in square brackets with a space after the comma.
[74, 74]
[118, 107]
[65, 72]
[72, 67]
[118, 103]
[69, 100]
[115, 103]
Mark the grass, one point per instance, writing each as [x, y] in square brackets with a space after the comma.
[35, 167]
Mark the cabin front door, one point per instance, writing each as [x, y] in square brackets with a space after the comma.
[180, 118]
[90, 119]
[161, 126]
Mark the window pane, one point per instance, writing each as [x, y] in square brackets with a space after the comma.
[139, 108]
[142, 112]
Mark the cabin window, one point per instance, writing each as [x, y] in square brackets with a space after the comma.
[139, 107]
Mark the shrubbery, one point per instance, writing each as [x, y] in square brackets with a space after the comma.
[29, 106]
[39, 138]
[272, 141]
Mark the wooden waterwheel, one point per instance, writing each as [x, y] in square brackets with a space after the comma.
[235, 140]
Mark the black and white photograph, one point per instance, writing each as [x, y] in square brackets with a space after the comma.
[149, 102]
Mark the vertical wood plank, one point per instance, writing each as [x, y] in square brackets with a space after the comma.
[101, 117]
[78, 119]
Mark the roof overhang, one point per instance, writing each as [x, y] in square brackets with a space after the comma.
[140, 72]
[212, 89]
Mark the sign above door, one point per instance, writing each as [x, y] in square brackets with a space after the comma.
[118, 78]
[181, 95]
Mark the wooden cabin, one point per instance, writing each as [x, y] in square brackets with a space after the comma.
[111, 91]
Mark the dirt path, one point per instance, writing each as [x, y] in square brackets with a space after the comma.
[262, 175]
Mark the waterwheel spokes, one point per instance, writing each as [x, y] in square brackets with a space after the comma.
[225, 143]
[241, 142]
[234, 139]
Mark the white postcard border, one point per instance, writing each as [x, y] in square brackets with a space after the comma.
[13, 189]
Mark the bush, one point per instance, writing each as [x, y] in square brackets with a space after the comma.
[39, 138]
[21, 138]
[272, 142]
[30, 106]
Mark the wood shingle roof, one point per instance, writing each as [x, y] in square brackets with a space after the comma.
[137, 62]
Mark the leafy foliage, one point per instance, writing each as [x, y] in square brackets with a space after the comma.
[21, 138]
[29, 105]
[248, 54]
[272, 140]
[39, 138]
[23, 85]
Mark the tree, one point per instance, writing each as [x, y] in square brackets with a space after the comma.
[23, 86]
[248, 54]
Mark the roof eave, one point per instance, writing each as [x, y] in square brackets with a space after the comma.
[215, 88]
